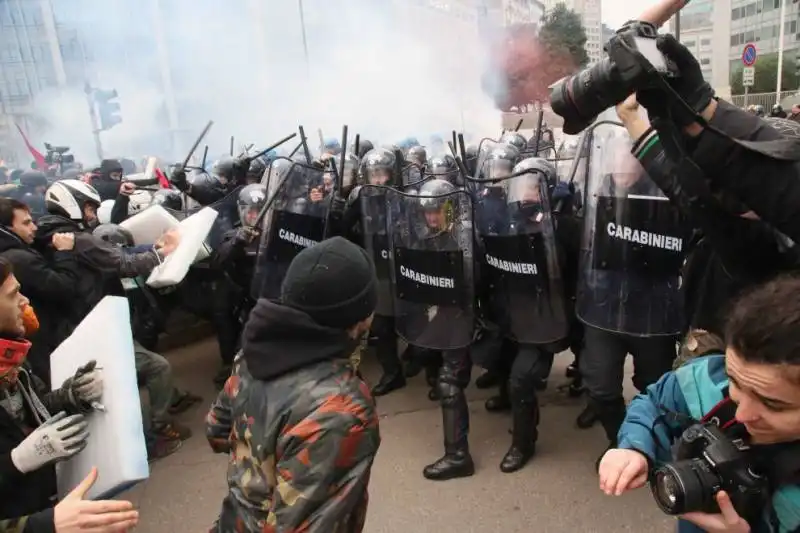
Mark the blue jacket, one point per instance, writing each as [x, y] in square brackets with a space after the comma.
[694, 389]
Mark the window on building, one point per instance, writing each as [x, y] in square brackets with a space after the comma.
[749, 36]
[705, 42]
[750, 10]
[705, 61]
[689, 44]
[736, 13]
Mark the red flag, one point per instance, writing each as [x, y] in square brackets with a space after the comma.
[162, 179]
[41, 164]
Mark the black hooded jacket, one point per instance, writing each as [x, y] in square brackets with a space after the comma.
[99, 264]
[51, 286]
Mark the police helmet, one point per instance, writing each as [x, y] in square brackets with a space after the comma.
[500, 162]
[256, 170]
[515, 139]
[223, 168]
[378, 167]
[252, 199]
[417, 155]
[432, 194]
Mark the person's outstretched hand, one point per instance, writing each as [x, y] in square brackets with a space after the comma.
[73, 514]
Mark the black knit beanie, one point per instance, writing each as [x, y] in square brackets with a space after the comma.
[333, 282]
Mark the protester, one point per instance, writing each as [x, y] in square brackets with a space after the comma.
[50, 285]
[296, 407]
[758, 375]
[74, 514]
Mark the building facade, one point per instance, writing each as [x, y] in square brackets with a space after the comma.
[758, 22]
[36, 53]
[591, 14]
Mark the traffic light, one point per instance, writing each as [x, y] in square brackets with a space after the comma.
[107, 110]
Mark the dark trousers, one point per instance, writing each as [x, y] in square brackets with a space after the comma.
[386, 345]
[602, 366]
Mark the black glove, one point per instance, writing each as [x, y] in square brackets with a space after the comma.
[240, 167]
[245, 235]
[337, 204]
[689, 84]
[178, 178]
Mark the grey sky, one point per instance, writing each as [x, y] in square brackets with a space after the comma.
[616, 12]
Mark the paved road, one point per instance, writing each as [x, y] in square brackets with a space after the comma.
[557, 492]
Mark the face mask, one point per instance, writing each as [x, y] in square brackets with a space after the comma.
[30, 321]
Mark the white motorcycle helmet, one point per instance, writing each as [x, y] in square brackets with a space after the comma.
[104, 212]
[68, 198]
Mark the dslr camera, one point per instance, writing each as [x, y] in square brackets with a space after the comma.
[707, 461]
[633, 63]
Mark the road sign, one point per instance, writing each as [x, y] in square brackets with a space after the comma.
[749, 55]
[748, 76]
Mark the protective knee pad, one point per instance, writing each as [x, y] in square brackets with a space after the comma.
[449, 394]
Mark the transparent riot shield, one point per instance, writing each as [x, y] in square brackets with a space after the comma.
[432, 268]
[520, 262]
[294, 221]
[632, 246]
[227, 219]
[374, 221]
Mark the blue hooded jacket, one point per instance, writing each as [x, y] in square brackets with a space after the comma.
[694, 390]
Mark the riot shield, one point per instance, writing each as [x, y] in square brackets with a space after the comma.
[520, 262]
[294, 221]
[376, 242]
[227, 219]
[432, 268]
[632, 246]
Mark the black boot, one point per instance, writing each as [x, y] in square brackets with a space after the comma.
[587, 418]
[431, 374]
[456, 462]
[572, 370]
[500, 402]
[386, 352]
[389, 383]
[524, 435]
[488, 379]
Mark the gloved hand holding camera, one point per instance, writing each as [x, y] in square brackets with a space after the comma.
[688, 83]
[656, 67]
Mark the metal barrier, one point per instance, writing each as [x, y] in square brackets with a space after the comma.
[765, 99]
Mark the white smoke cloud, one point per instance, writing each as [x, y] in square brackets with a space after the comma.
[386, 69]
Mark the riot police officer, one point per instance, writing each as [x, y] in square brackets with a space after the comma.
[628, 292]
[234, 258]
[434, 295]
[366, 223]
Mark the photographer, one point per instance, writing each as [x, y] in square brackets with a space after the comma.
[750, 395]
[732, 248]
[731, 167]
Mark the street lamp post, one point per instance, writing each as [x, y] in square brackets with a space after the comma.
[303, 29]
[781, 36]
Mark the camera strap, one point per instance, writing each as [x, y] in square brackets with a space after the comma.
[722, 415]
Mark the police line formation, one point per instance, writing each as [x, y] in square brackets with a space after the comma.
[634, 238]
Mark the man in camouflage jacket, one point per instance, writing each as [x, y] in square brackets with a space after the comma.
[298, 422]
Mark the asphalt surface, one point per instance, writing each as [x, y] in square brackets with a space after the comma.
[556, 492]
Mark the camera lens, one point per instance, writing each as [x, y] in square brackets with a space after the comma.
[685, 486]
[580, 98]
